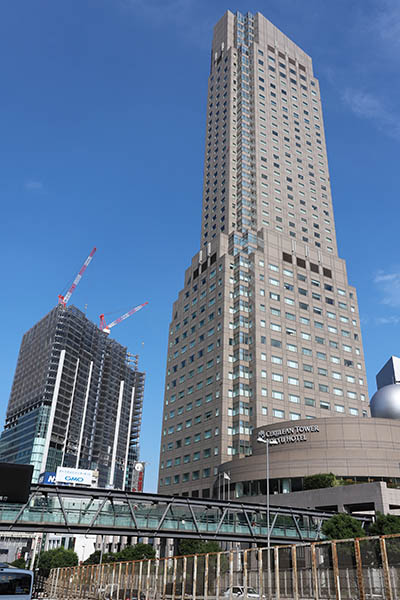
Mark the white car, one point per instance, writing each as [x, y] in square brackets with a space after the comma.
[238, 592]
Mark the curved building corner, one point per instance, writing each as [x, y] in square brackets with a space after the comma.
[363, 451]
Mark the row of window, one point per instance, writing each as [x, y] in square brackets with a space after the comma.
[308, 385]
[207, 434]
[195, 476]
[187, 458]
[197, 419]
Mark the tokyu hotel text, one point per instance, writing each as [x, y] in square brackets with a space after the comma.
[290, 435]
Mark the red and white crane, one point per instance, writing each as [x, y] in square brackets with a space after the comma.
[64, 299]
[106, 328]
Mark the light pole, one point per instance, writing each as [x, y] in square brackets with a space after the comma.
[264, 440]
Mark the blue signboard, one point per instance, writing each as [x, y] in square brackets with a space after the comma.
[47, 477]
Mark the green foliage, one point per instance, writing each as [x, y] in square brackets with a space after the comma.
[320, 480]
[385, 525]
[59, 557]
[137, 552]
[188, 547]
[342, 526]
[93, 559]
[109, 557]
[19, 563]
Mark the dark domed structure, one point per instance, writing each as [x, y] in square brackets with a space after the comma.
[385, 403]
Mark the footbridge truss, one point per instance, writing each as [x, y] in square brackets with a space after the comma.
[80, 510]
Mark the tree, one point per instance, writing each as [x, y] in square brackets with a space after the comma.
[109, 557]
[59, 557]
[320, 480]
[93, 559]
[385, 525]
[19, 563]
[342, 526]
[137, 552]
[188, 547]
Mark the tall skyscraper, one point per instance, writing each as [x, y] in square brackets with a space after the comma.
[76, 401]
[266, 327]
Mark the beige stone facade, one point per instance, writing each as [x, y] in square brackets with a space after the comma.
[266, 328]
[358, 451]
[354, 449]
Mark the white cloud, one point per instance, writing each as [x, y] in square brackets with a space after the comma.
[387, 320]
[369, 106]
[388, 285]
[33, 185]
[387, 23]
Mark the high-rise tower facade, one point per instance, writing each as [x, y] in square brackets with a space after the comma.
[76, 401]
[266, 327]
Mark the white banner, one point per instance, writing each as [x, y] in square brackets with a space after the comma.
[71, 476]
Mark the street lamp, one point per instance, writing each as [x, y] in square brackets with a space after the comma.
[264, 440]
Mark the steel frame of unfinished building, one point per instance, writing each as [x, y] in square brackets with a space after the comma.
[114, 512]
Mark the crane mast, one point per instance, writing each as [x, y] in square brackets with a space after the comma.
[64, 299]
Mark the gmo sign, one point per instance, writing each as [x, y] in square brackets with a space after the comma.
[68, 475]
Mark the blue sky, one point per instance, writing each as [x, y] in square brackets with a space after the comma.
[102, 119]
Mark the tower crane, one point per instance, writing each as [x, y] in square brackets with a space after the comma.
[106, 328]
[64, 299]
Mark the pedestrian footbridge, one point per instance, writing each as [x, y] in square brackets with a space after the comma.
[78, 510]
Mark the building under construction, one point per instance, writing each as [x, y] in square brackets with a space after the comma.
[76, 400]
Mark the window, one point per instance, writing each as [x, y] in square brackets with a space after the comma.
[339, 408]
[294, 416]
[279, 414]
[294, 398]
[276, 377]
[277, 395]
[276, 359]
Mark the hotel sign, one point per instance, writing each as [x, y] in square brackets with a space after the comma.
[289, 435]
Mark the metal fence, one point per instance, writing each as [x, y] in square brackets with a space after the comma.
[358, 569]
